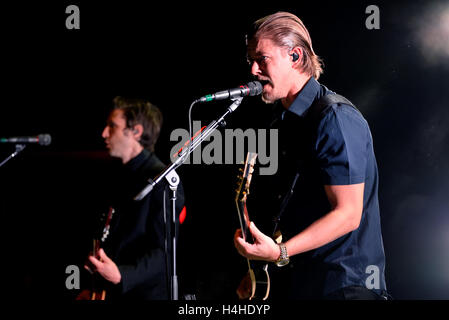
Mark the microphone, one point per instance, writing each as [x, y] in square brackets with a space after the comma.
[253, 88]
[42, 139]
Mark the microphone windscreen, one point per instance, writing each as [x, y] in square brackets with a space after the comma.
[44, 139]
[255, 88]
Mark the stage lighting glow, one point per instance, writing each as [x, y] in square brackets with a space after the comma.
[432, 32]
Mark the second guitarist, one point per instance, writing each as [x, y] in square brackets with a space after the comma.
[133, 257]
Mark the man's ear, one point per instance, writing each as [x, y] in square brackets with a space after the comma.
[296, 54]
[137, 131]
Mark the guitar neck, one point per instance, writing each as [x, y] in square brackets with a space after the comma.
[245, 221]
[96, 247]
[242, 195]
[97, 242]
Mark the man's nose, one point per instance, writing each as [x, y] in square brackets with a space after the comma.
[255, 70]
[105, 132]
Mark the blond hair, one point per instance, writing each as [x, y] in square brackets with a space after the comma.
[287, 30]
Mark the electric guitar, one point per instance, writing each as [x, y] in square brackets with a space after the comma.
[260, 279]
[98, 293]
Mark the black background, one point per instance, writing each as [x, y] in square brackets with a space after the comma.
[62, 82]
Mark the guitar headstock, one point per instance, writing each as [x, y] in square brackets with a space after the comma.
[107, 223]
[244, 179]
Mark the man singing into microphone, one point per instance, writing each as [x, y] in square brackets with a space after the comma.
[328, 211]
[133, 259]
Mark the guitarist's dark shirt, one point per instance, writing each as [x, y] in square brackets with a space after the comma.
[137, 235]
[334, 149]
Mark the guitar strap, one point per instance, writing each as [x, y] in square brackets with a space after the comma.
[284, 202]
[312, 115]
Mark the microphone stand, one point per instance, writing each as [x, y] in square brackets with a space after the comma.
[170, 248]
[173, 180]
[19, 148]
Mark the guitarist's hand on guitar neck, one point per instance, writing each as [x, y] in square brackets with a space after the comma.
[104, 266]
[263, 248]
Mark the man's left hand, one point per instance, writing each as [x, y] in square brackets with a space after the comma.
[105, 267]
[263, 248]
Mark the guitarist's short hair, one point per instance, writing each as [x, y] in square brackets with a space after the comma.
[141, 111]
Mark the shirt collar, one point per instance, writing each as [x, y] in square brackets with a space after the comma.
[135, 163]
[305, 97]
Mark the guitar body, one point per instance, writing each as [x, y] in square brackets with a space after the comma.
[92, 295]
[98, 295]
[260, 282]
[258, 271]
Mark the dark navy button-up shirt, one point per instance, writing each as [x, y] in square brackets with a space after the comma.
[335, 148]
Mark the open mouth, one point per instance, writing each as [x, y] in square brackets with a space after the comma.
[265, 82]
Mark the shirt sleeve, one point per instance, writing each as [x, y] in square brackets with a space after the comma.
[148, 269]
[341, 146]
